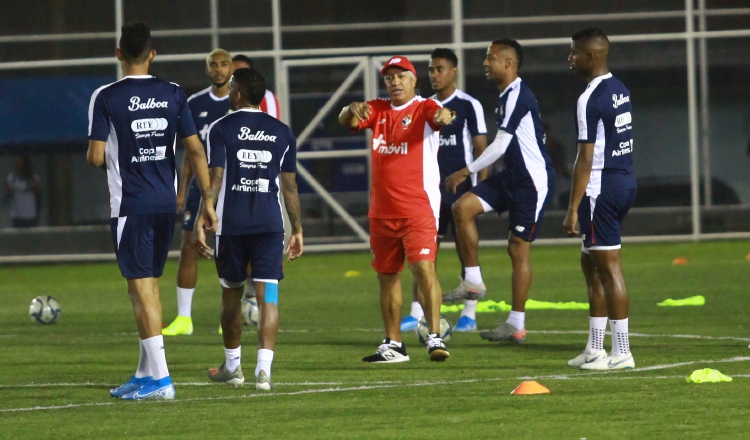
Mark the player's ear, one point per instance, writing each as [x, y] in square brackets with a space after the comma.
[118, 54]
[151, 55]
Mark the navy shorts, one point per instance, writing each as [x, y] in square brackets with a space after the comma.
[446, 203]
[191, 207]
[600, 218]
[142, 243]
[525, 206]
[264, 252]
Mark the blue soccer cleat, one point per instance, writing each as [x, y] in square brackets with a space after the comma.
[465, 324]
[408, 323]
[161, 389]
[133, 384]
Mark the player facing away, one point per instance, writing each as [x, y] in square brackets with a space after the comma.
[523, 188]
[461, 141]
[404, 200]
[252, 156]
[206, 106]
[134, 124]
[602, 191]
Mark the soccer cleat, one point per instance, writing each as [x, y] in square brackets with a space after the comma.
[505, 332]
[161, 389]
[611, 362]
[263, 382]
[466, 290]
[436, 348]
[584, 358]
[133, 384]
[388, 353]
[465, 324]
[182, 325]
[408, 323]
[221, 374]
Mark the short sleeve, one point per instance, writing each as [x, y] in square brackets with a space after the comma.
[289, 158]
[587, 117]
[216, 146]
[185, 122]
[515, 110]
[98, 118]
[475, 119]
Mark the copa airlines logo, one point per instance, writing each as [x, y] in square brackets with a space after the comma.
[625, 148]
[247, 135]
[449, 141]
[150, 154]
[135, 104]
[254, 156]
[380, 145]
[141, 125]
[251, 185]
[618, 101]
[623, 119]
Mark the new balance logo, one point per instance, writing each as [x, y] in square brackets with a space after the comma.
[389, 355]
[424, 251]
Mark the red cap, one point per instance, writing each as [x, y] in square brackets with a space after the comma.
[399, 61]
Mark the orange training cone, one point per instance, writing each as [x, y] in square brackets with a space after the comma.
[680, 261]
[747, 257]
[530, 387]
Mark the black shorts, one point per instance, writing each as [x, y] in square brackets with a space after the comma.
[600, 218]
[142, 243]
[264, 252]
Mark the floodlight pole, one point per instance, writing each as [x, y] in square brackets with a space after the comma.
[705, 115]
[692, 121]
[457, 17]
[119, 14]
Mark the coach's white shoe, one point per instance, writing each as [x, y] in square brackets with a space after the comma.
[584, 358]
[611, 362]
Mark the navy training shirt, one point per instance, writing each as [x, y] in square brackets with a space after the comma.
[456, 150]
[140, 117]
[253, 148]
[605, 119]
[206, 108]
[527, 163]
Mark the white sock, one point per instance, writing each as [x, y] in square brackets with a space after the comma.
[184, 301]
[470, 309]
[517, 319]
[597, 327]
[157, 360]
[265, 358]
[620, 342]
[233, 356]
[416, 310]
[143, 367]
[473, 274]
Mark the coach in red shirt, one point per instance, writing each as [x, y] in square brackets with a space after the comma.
[404, 200]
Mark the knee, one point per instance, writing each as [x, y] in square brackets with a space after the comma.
[460, 211]
[516, 251]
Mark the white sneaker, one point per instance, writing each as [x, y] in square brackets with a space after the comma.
[611, 362]
[263, 382]
[584, 358]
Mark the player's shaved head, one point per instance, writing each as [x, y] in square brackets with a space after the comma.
[135, 42]
[588, 53]
[512, 48]
[220, 52]
[247, 85]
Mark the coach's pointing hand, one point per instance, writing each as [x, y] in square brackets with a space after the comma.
[443, 116]
[360, 110]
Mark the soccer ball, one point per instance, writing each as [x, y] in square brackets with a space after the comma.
[44, 310]
[250, 311]
[446, 329]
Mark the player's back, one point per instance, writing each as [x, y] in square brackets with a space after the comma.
[139, 118]
[253, 148]
[605, 119]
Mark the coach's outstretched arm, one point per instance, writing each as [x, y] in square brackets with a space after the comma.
[199, 165]
[291, 201]
[353, 113]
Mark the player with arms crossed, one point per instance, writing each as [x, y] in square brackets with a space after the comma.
[523, 188]
[206, 106]
[133, 126]
[602, 192]
[404, 200]
[250, 152]
[461, 141]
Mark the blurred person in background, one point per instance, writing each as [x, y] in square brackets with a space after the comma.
[24, 189]
[269, 104]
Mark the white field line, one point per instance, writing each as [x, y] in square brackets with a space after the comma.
[643, 335]
[383, 385]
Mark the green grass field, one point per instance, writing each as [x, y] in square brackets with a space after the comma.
[54, 380]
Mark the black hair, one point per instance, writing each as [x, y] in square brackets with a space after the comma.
[244, 59]
[251, 84]
[444, 52]
[135, 42]
[512, 44]
[590, 33]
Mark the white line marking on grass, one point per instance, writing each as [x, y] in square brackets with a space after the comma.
[642, 335]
